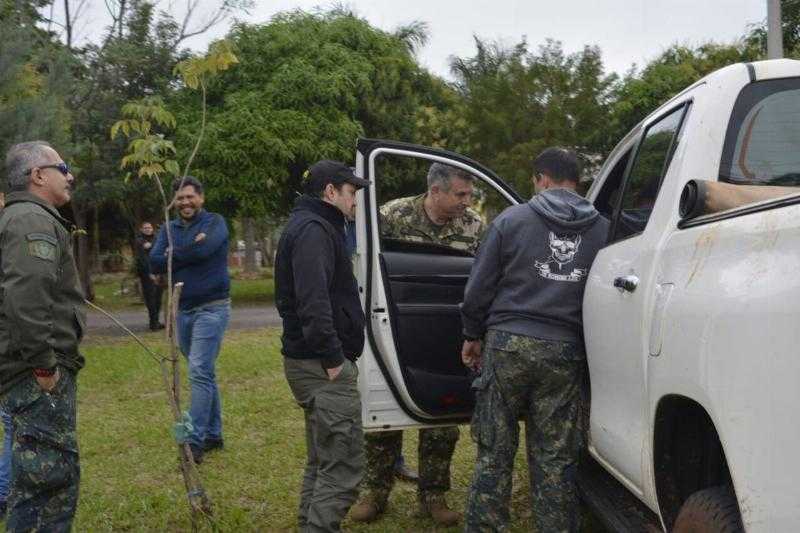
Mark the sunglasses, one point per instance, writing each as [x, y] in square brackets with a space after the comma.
[61, 167]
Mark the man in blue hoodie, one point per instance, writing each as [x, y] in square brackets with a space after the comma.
[523, 331]
[200, 262]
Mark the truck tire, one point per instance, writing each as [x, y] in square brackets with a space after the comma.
[711, 510]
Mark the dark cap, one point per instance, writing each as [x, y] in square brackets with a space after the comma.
[327, 171]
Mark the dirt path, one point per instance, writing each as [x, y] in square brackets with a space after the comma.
[241, 318]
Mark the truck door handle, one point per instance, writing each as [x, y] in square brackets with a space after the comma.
[626, 283]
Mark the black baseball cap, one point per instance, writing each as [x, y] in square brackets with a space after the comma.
[327, 171]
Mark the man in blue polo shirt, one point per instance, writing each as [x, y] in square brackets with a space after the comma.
[200, 261]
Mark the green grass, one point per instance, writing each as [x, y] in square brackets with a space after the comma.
[252, 291]
[130, 478]
[117, 292]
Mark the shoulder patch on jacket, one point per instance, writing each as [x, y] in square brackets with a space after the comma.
[42, 245]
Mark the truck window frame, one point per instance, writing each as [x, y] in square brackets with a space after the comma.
[683, 108]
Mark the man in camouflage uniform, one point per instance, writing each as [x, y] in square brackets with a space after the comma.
[523, 300]
[443, 216]
[41, 324]
[440, 216]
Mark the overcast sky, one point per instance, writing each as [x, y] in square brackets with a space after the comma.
[627, 31]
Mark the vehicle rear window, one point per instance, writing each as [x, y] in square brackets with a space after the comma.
[762, 144]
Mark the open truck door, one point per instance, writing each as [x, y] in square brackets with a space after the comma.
[411, 373]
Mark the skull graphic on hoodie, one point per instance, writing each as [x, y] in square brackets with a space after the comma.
[562, 252]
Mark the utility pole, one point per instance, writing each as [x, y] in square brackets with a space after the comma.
[774, 30]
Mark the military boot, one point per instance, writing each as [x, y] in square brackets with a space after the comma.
[367, 509]
[435, 506]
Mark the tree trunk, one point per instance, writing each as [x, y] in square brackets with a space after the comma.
[266, 249]
[82, 251]
[249, 230]
[95, 262]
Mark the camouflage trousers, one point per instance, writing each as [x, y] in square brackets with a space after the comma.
[540, 380]
[436, 446]
[334, 442]
[45, 471]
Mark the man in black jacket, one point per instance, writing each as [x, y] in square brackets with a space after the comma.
[323, 334]
[151, 288]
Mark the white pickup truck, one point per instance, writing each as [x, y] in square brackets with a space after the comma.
[691, 311]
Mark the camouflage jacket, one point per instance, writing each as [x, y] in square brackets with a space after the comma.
[42, 311]
[406, 219]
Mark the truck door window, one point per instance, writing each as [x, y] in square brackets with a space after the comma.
[608, 196]
[761, 143]
[644, 180]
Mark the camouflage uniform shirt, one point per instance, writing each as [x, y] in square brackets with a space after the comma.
[406, 219]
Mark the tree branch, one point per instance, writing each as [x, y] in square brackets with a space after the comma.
[219, 15]
[200, 135]
[151, 353]
[68, 24]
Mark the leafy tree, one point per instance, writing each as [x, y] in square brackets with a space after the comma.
[134, 59]
[33, 74]
[517, 102]
[671, 72]
[308, 86]
[790, 24]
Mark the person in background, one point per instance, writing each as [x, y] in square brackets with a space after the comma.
[150, 283]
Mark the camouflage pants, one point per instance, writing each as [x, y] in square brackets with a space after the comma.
[436, 447]
[542, 381]
[45, 471]
[334, 442]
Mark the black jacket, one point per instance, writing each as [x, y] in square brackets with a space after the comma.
[316, 292]
[142, 254]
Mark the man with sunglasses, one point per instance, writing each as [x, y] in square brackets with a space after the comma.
[41, 325]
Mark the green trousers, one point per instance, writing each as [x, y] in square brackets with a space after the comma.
[334, 442]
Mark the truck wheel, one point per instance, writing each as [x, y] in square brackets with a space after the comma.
[711, 510]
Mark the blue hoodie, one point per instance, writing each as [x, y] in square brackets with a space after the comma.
[201, 266]
[530, 272]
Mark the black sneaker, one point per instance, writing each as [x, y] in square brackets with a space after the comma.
[156, 327]
[213, 444]
[197, 453]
